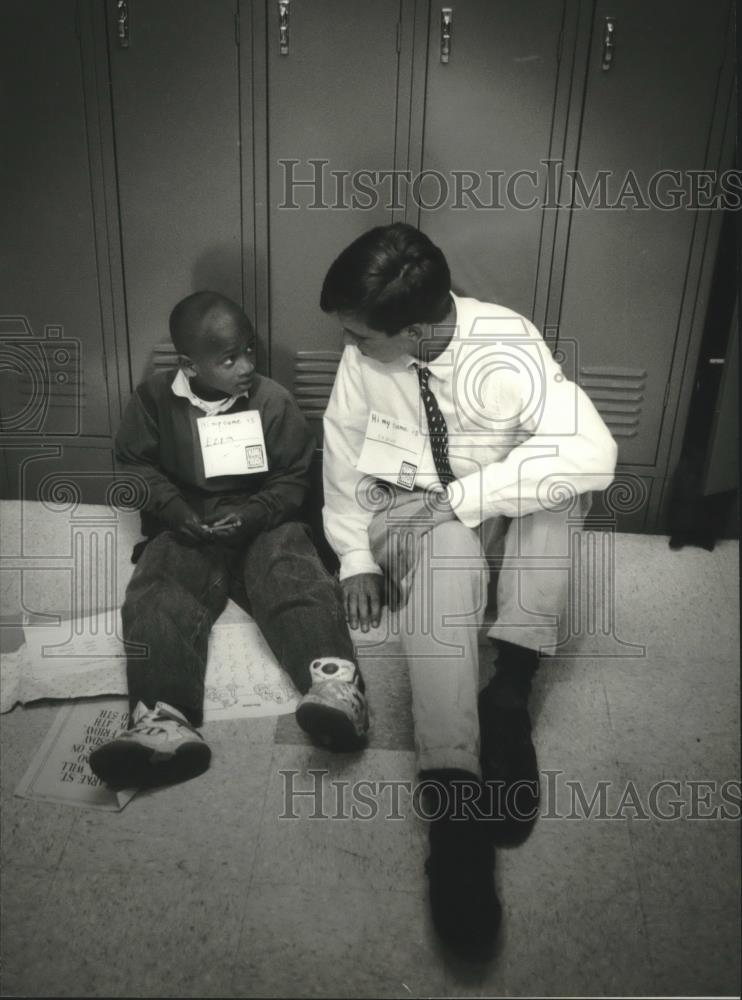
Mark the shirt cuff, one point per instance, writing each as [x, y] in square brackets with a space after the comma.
[357, 561]
[468, 500]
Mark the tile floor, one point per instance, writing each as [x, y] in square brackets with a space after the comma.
[202, 890]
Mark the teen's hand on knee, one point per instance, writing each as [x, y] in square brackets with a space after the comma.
[402, 553]
[362, 599]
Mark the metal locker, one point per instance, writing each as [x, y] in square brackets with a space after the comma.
[722, 466]
[490, 106]
[332, 99]
[52, 367]
[176, 109]
[648, 107]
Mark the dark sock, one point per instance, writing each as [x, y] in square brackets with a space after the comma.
[515, 668]
[450, 793]
[447, 774]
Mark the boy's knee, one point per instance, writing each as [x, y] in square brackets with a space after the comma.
[161, 556]
[164, 541]
[289, 536]
[292, 531]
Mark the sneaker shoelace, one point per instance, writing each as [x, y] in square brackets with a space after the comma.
[149, 726]
[149, 730]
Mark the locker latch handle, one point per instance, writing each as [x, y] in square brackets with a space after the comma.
[283, 27]
[446, 25]
[122, 23]
[609, 42]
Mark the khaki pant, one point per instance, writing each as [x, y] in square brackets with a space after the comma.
[441, 575]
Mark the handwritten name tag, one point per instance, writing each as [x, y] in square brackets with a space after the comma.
[232, 444]
[391, 450]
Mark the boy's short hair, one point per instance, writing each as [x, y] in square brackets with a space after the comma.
[390, 277]
[187, 317]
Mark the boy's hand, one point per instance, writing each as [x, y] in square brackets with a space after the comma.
[226, 528]
[194, 529]
[362, 599]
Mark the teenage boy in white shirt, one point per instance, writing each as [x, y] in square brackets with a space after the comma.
[450, 427]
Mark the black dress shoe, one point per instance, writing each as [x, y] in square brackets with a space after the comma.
[461, 873]
[509, 770]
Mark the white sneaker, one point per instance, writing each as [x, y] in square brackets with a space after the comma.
[161, 747]
[334, 712]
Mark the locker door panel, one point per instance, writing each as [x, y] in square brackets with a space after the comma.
[625, 268]
[332, 98]
[722, 467]
[490, 109]
[52, 376]
[176, 120]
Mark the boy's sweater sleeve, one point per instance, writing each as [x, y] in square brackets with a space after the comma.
[138, 454]
[290, 445]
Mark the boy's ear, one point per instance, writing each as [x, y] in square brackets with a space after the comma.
[415, 332]
[186, 364]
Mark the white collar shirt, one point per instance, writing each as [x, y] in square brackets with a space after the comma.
[520, 432]
[182, 387]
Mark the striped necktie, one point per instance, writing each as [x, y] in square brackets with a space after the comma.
[437, 428]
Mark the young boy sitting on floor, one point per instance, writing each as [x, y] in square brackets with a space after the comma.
[215, 517]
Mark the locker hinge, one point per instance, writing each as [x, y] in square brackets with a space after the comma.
[560, 44]
[399, 36]
[237, 29]
[666, 396]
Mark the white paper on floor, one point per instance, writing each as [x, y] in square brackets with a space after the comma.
[85, 657]
[59, 771]
[243, 678]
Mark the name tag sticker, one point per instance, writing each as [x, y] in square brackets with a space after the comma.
[232, 444]
[391, 450]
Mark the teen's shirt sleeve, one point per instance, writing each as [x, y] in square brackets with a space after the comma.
[346, 519]
[567, 448]
[290, 445]
[137, 449]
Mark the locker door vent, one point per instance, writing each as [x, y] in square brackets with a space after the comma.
[314, 374]
[618, 394]
[164, 358]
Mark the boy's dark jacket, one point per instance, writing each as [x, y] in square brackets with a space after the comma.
[158, 440]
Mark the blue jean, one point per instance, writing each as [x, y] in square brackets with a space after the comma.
[179, 588]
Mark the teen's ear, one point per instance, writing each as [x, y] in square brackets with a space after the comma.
[415, 332]
[420, 337]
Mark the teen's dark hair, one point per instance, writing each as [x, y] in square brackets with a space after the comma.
[389, 278]
[187, 317]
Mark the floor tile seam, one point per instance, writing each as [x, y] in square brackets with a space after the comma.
[287, 882]
[250, 882]
[611, 725]
[681, 769]
[77, 818]
[647, 936]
